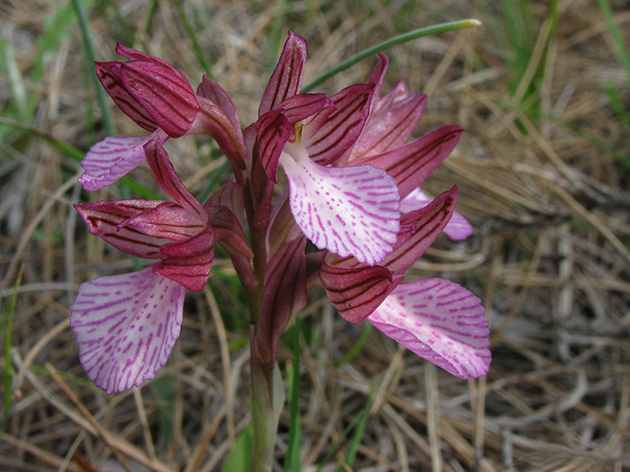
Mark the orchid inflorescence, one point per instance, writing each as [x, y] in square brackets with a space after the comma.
[353, 192]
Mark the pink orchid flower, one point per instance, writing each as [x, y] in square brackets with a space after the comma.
[126, 325]
[159, 99]
[353, 191]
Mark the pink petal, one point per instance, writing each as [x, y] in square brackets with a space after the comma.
[108, 160]
[126, 326]
[458, 228]
[439, 321]
[104, 219]
[287, 76]
[347, 210]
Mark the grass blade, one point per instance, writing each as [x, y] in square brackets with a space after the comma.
[89, 49]
[388, 43]
[615, 32]
[8, 341]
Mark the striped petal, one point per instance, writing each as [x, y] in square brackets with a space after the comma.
[110, 159]
[126, 326]
[458, 228]
[439, 321]
[347, 210]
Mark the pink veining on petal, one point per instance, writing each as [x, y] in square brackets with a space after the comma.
[347, 210]
[458, 228]
[439, 321]
[110, 159]
[126, 326]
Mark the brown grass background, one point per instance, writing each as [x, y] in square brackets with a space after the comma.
[547, 193]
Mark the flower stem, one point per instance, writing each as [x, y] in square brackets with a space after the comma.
[267, 400]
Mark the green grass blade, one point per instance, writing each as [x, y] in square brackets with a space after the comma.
[16, 87]
[192, 34]
[292, 461]
[89, 49]
[8, 341]
[615, 32]
[346, 431]
[356, 348]
[275, 36]
[358, 434]
[388, 43]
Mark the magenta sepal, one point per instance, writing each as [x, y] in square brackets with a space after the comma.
[274, 130]
[429, 222]
[284, 297]
[458, 228]
[150, 91]
[188, 262]
[439, 321]
[286, 79]
[230, 195]
[334, 129]
[169, 181]
[104, 220]
[126, 326]
[357, 292]
[389, 127]
[413, 162]
[218, 118]
[231, 237]
[301, 106]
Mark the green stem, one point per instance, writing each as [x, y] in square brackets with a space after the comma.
[264, 425]
[388, 43]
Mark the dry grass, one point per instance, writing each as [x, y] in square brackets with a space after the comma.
[550, 256]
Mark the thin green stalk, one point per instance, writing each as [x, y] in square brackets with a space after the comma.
[8, 329]
[199, 52]
[388, 43]
[89, 49]
[358, 434]
[292, 459]
[615, 32]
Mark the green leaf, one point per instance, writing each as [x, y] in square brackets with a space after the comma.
[388, 43]
[240, 456]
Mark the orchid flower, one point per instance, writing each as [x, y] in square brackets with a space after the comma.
[126, 325]
[353, 191]
[159, 99]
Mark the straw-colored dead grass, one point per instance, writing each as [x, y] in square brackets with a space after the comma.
[550, 256]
